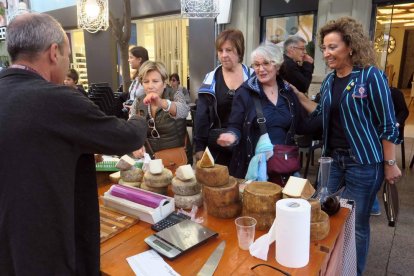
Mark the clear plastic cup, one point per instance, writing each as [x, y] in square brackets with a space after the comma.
[245, 231]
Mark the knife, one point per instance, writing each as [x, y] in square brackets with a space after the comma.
[212, 262]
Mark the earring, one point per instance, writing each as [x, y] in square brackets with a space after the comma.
[350, 53]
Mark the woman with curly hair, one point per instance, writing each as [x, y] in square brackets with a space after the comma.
[359, 125]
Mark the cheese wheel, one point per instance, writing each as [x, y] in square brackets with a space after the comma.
[130, 183]
[261, 197]
[264, 219]
[185, 172]
[125, 163]
[185, 188]
[115, 177]
[158, 180]
[207, 160]
[187, 202]
[315, 209]
[162, 190]
[132, 175]
[229, 211]
[320, 229]
[223, 195]
[214, 176]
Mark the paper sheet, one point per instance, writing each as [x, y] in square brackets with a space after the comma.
[149, 263]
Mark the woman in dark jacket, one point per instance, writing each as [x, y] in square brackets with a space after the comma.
[281, 109]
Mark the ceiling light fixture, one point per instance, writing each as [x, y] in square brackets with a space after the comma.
[93, 15]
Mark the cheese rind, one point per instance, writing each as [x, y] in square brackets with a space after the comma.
[132, 175]
[185, 172]
[115, 177]
[162, 190]
[158, 180]
[264, 219]
[187, 202]
[229, 211]
[320, 229]
[297, 187]
[315, 209]
[156, 166]
[214, 176]
[207, 160]
[261, 197]
[130, 183]
[125, 163]
[217, 197]
[185, 188]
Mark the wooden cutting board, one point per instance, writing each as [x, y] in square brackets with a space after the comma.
[113, 222]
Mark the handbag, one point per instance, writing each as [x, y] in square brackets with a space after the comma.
[285, 160]
[391, 202]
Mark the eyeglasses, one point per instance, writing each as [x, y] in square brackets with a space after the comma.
[154, 131]
[266, 65]
[303, 49]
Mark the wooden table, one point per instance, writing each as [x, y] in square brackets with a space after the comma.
[234, 261]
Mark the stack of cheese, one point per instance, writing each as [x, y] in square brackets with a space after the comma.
[220, 191]
[187, 192]
[259, 201]
[129, 174]
[301, 188]
[157, 178]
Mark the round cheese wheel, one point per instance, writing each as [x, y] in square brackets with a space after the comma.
[130, 183]
[261, 197]
[264, 219]
[187, 202]
[162, 190]
[229, 211]
[185, 188]
[320, 229]
[115, 177]
[223, 195]
[132, 175]
[315, 209]
[158, 180]
[214, 176]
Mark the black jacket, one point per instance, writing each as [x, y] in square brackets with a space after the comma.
[299, 76]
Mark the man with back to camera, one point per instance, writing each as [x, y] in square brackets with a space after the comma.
[49, 212]
[297, 67]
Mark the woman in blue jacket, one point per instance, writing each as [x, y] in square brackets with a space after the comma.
[359, 126]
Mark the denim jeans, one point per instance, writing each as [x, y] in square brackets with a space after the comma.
[362, 182]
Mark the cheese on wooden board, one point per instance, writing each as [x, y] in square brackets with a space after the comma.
[115, 177]
[217, 197]
[185, 172]
[132, 175]
[264, 220]
[207, 160]
[229, 211]
[158, 180]
[125, 163]
[261, 196]
[214, 176]
[320, 229]
[156, 166]
[185, 188]
[129, 183]
[297, 187]
[315, 209]
[162, 190]
[187, 202]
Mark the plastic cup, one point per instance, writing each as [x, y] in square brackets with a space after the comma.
[245, 231]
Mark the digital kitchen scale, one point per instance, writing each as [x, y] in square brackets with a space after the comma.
[177, 239]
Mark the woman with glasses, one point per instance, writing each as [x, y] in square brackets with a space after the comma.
[216, 94]
[164, 109]
[283, 114]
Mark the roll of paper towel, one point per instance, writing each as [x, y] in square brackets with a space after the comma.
[292, 232]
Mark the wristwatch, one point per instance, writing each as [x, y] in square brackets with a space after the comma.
[390, 162]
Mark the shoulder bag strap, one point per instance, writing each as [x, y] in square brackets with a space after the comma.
[261, 120]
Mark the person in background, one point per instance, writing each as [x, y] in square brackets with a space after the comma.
[297, 67]
[216, 93]
[49, 214]
[359, 126]
[137, 56]
[164, 110]
[176, 86]
[71, 80]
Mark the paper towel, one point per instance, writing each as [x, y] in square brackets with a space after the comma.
[292, 232]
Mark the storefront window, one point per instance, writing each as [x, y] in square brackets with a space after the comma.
[78, 59]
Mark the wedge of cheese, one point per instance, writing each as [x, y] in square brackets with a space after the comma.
[297, 187]
[125, 163]
[115, 177]
[184, 172]
[156, 166]
[207, 160]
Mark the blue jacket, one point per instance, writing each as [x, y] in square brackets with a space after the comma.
[206, 114]
[367, 113]
[243, 122]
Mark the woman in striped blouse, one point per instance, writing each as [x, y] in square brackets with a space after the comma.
[360, 129]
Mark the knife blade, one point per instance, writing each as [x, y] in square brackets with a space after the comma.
[212, 262]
